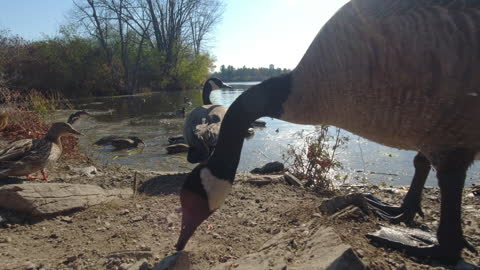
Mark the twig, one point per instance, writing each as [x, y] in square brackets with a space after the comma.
[134, 186]
[361, 155]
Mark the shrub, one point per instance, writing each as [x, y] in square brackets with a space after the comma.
[314, 159]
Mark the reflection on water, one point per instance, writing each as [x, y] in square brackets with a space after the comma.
[154, 118]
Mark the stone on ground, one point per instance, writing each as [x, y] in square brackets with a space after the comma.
[41, 199]
[300, 249]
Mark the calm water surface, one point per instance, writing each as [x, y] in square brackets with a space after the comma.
[154, 118]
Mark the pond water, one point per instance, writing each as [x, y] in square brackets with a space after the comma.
[154, 118]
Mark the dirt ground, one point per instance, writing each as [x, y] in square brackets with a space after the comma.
[119, 233]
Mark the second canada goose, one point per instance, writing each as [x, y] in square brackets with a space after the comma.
[27, 156]
[202, 125]
[403, 73]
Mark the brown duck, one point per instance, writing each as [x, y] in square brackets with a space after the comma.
[27, 156]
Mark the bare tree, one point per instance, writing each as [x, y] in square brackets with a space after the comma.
[204, 19]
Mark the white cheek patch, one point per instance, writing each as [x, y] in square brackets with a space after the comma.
[217, 189]
[213, 85]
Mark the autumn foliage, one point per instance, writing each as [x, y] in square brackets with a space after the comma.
[28, 114]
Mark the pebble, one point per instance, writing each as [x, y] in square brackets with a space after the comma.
[136, 218]
[66, 219]
[360, 253]
[30, 266]
[7, 239]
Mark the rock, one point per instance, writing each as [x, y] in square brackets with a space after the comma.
[136, 219]
[335, 204]
[292, 180]
[89, 171]
[323, 249]
[41, 199]
[124, 266]
[177, 261]
[177, 148]
[264, 180]
[258, 123]
[30, 266]
[463, 265]
[66, 219]
[350, 212]
[140, 265]
[270, 167]
[135, 254]
[176, 139]
[5, 240]
[398, 237]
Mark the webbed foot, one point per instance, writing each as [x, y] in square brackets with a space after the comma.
[394, 214]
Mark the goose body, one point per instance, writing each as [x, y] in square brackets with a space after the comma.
[403, 73]
[202, 125]
[27, 156]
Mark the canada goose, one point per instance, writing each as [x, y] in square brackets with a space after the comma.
[27, 156]
[77, 115]
[124, 143]
[202, 125]
[403, 73]
[3, 120]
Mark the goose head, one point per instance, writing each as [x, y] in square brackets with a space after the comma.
[211, 84]
[60, 129]
[201, 195]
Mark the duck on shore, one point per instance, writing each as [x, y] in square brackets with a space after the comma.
[27, 156]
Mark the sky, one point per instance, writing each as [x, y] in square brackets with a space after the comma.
[254, 33]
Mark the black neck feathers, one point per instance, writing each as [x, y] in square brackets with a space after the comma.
[265, 99]
[207, 89]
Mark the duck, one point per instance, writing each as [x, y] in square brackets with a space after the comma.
[76, 116]
[187, 101]
[27, 156]
[125, 143]
[3, 120]
[180, 112]
[390, 71]
[107, 140]
[202, 125]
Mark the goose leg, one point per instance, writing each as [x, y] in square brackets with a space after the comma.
[451, 173]
[411, 203]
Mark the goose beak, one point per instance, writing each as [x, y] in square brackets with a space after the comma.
[194, 211]
[227, 86]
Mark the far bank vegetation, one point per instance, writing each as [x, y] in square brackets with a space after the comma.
[111, 47]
